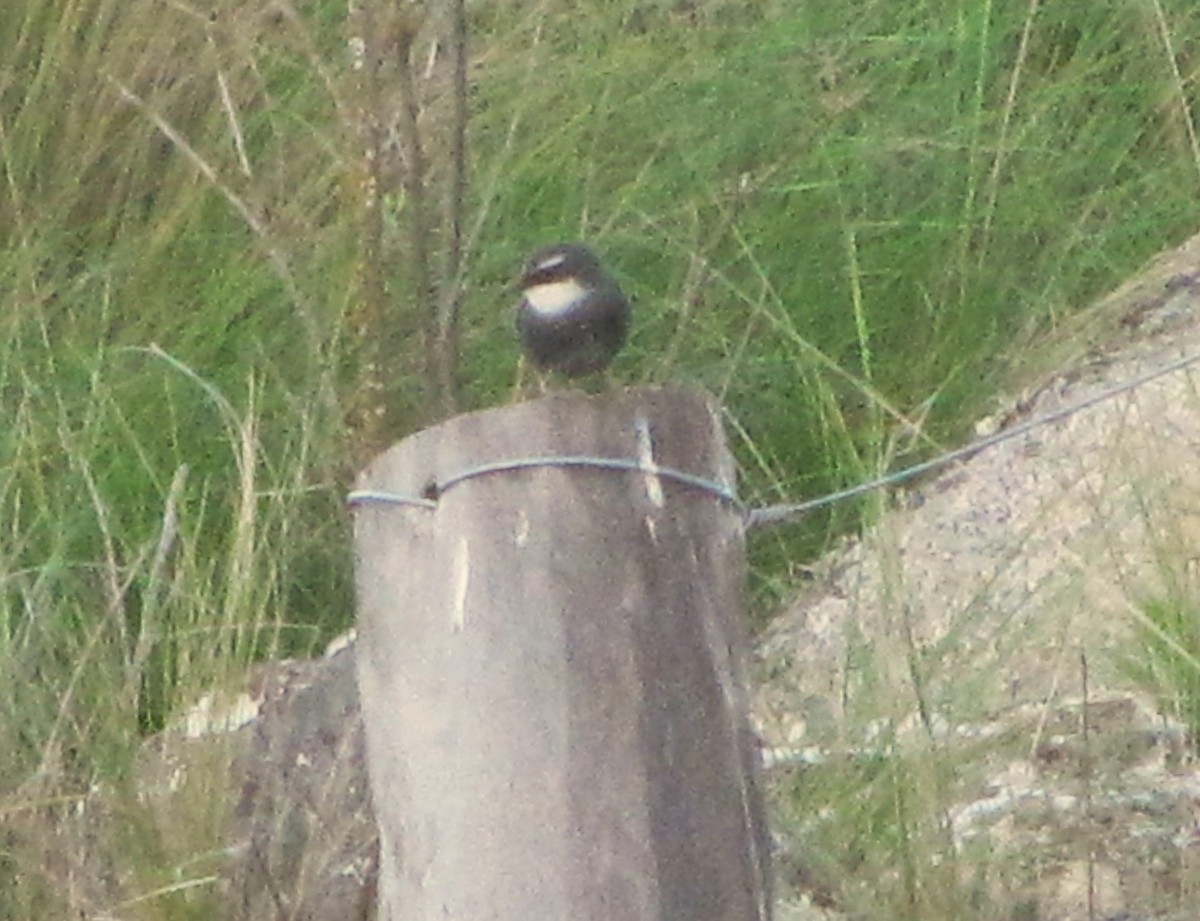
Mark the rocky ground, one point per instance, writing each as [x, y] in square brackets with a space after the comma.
[998, 618]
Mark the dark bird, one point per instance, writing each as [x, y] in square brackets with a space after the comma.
[573, 317]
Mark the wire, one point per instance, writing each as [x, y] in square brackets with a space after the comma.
[720, 490]
[771, 514]
[778, 514]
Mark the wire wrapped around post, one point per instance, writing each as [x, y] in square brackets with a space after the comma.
[550, 662]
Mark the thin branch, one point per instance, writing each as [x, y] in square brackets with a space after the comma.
[414, 187]
[368, 409]
[450, 301]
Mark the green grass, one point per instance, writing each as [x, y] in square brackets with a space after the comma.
[880, 203]
[1167, 658]
[843, 220]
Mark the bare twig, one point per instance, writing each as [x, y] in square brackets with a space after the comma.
[414, 186]
[450, 295]
[368, 407]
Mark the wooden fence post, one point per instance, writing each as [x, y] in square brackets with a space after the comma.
[549, 662]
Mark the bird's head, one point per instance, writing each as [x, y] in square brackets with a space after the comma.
[557, 278]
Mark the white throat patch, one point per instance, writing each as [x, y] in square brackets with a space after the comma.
[555, 297]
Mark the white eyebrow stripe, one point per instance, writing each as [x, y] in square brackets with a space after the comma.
[555, 297]
[550, 262]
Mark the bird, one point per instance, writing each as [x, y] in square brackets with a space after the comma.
[573, 318]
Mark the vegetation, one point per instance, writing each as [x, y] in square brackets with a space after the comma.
[842, 219]
[1167, 660]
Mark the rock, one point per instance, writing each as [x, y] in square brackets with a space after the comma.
[298, 840]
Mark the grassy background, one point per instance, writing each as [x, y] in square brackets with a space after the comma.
[843, 219]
